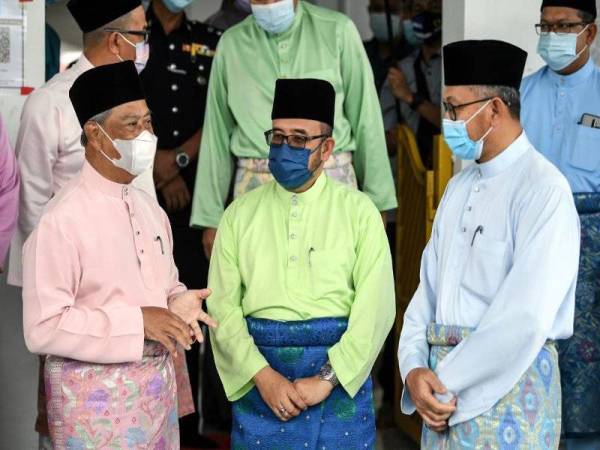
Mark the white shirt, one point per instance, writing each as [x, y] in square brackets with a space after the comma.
[514, 281]
[49, 154]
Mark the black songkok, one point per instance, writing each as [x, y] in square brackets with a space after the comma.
[305, 98]
[588, 6]
[483, 63]
[91, 15]
[104, 87]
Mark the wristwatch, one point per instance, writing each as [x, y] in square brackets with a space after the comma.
[418, 99]
[182, 158]
[328, 374]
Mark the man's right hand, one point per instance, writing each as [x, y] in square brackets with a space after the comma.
[422, 385]
[279, 394]
[208, 240]
[163, 326]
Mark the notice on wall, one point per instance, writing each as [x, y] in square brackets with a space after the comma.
[12, 37]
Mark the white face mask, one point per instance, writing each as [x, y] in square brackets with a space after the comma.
[137, 155]
[142, 54]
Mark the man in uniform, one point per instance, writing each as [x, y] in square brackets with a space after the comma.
[561, 114]
[176, 81]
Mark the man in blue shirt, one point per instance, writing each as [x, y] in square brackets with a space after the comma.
[556, 97]
[561, 116]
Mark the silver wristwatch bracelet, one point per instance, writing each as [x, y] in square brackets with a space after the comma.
[328, 374]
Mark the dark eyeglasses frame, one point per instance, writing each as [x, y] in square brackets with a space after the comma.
[450, 109]
[552, 27]
[269, 138]
[143, 33]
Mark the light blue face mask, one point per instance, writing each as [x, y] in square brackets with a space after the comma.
[409, 34]
[276, 17]
[559, 50]
[457, 137]
[378, 23]
[176, 6]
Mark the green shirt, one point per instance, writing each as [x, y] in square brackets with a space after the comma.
[320, 44]
[284, 256]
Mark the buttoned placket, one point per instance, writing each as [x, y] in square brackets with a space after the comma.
[283, 53]
[561, 107]
[142, 249]
[294, 251]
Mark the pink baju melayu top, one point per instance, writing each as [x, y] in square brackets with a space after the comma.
[101, 251]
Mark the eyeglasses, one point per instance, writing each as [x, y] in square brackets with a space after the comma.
[143, 33]
[295, 141]
[544, 29]
[450, 109]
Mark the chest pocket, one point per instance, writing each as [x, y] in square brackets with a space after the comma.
[330, 272]
[486, 268]
[585, 154]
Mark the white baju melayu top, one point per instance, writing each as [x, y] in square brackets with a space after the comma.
[503, 259]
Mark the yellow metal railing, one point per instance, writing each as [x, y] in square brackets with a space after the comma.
[419, 193]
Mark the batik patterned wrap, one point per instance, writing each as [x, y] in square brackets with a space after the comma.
[298, 350]
[528, 417]
[252, 173]
[113, 406]
[579, 356]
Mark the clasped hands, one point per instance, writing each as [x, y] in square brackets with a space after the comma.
[179, 324]
[288, 399]
[422, 385]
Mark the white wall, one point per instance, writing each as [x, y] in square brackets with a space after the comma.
[507, 20]
[11, 100]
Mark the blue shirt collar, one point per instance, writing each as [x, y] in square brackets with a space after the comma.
[573, 79]
[507, 158]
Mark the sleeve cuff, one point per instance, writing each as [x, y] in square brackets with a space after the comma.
[406, 366]
[406, 405]
[205, 222]
[256, 367]
[347, 379]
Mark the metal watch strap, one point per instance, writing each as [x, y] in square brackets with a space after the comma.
[328, 374]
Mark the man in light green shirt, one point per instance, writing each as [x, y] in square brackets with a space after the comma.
[317, 43]
[303, 291]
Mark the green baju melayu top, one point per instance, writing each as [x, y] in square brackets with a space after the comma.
[321, 44]
[284, 256]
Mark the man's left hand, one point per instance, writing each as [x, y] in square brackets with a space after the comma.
[188, 306]
[313, 390]
[165, 168]
[399, 86]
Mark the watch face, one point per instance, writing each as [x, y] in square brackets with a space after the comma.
[182, 160]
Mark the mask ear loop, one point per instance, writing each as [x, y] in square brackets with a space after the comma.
[318, 147]
[111, 141]
[478, 111]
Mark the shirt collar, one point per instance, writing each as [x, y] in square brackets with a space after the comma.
[304, 197]
[505, 159]
[573, 79]
[83, 64]
[94, 180]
